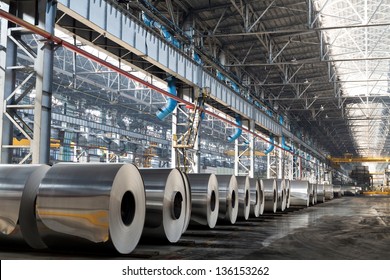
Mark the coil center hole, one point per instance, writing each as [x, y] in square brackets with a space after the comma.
[212, 201]
[177, 205]
[246, 198]
[256, 198]
[275, 196]
[233, 199]
[128, 208]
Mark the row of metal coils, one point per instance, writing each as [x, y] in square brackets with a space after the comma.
[118, 205]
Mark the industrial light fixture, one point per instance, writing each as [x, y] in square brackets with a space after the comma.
[322, 108]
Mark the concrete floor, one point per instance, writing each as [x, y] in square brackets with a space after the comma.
[344, 228]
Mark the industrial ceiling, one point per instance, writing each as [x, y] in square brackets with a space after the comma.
[325, 63]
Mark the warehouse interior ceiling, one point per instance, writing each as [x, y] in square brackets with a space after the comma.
[323, 62]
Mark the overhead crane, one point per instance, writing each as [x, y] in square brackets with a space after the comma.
[349, 159]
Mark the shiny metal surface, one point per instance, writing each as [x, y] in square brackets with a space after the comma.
[328, 191]
[94, 202]
[18, 188]
[288, 193]
[205, 199]
[281, 194]
[228, 198]
[188, 205]
[337, 191]
[256, 195]
[166, 204]
[300, 193]
[262, 197]
[311, 193]
[315, 193]
[320, 193]
[244, 204]
[270, 195]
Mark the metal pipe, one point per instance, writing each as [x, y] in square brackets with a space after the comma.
[205, 199]
[228, 198]
[271, 146]
[171, 104]
[237, 132]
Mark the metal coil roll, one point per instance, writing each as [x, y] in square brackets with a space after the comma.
[98, 203]
[270, 195]
[315, 193]
[244, 205]
[166, 204]
[300, 193]
[288, 193]
[320, 193]
[205, 199]
[228, 198]
[257, 197]
[311, 194]
[188, 208]
[328, 191]
[281, 194]
[18, 190]
[337, 192]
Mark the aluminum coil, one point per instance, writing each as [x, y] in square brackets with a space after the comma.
[270, 195]
[98, 203]
[18, 190]
[288, 193]
[337, 192]
[315, 193]
[328, 191]
[281, 194]
[300, 193]
[188, 205]
[320, 193]
[257, 197]
[311, 194]
[228, 198]
[166, 204]
[205, 199]
[244, 204]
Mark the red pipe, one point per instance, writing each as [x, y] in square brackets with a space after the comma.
[88, 55]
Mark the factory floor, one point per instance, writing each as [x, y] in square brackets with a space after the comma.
[346, 228]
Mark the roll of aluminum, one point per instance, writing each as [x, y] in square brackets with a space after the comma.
[311, 193]
[288, 193]
[270, 195]
[244, 205]
[262, 197]
[300, 193]
[18, 190]
[315, 193]
[257, 197]
[281, 194]
[320, 193]
[228, 198]
[166, 204]
[188, 209]
[328, 191]
[337, 192]
[205, 199]
[95, 203]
